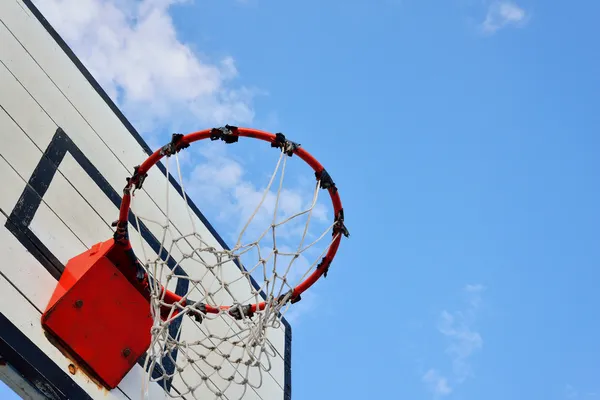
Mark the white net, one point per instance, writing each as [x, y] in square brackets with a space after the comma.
[226, 352]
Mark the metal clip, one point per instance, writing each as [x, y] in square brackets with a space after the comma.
[228, 134]
[326, 182]
[287, 146]
[175, 146]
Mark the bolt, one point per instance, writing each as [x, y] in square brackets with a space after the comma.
[126, 352]
[79, 304]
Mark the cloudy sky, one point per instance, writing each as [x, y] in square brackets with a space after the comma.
[463, 135]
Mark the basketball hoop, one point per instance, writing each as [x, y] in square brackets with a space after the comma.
[235, 311]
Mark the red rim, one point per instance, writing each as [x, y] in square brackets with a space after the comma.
[190, 138]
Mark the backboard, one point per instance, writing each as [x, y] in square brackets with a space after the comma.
[65, 150]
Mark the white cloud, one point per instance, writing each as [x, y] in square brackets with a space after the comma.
[132, 48]
[570, 392]
[309, 303]
[463, 339]
[501, 14]
[458, 328]
[474, 288]
[473, 293]
[436, 383]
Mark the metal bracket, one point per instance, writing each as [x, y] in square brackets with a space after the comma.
[175, 146]
[339, 226]
[325, 263]
[290, 299]
[121, 235]
[239, 311]
[198, 310]
[136, 179]
[228, 134]
[326, 182]
[287, 146]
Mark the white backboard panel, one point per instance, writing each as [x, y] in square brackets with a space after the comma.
[65, 150]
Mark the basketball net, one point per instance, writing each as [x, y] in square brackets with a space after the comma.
[199, 354]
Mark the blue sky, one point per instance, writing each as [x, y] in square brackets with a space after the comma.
[463, 135]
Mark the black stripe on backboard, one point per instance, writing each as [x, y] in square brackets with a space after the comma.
[35, 366]
[144, 145]
[22, 215]
[287, 359]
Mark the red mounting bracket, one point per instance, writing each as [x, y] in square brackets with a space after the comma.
[98, 315]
